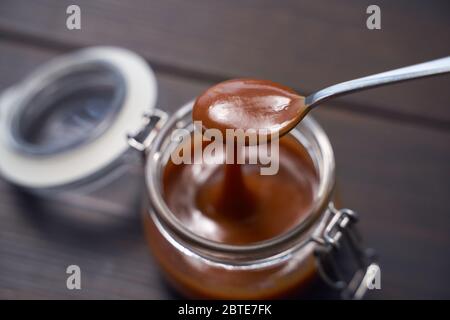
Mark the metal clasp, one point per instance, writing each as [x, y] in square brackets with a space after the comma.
[152, 123]
[343, 262]
[338, 223]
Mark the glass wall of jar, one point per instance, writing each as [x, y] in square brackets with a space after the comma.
[202, 268]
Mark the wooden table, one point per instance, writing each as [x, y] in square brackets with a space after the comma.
[391, 144]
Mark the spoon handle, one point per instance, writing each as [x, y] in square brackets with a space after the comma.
[420, 70]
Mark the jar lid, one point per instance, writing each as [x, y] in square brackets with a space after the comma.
[71, 117]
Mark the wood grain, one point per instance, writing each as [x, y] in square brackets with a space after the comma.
[395, 174]
[304, 44]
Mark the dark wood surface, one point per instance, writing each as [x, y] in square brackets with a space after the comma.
[391, 144]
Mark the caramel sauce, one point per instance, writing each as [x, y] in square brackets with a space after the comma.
[234, 203]
[249, 104]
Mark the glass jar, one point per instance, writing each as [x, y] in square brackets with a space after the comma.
[79, 125]
[275, 268]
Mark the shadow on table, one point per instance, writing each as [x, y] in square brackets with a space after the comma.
[74, 222]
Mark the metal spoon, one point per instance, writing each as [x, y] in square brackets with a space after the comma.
[421, 70]
[261, 104]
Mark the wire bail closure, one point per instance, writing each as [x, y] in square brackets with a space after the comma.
[343, 263]
[152, 122]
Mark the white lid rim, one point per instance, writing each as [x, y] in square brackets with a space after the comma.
[87, 159]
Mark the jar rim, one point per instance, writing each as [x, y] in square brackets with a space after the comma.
[295, 236]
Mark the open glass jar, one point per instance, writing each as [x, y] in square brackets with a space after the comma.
[278, 267]
[57, 144]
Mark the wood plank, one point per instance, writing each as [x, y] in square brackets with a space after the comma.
[396, 175]
[304, 44]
